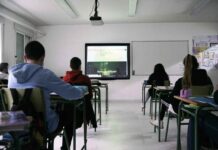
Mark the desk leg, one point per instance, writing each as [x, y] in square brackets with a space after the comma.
[142, 93]
[155, 110]
[99, 104]
[179, 127]
[159, 130]
[144, 98]
[85, 123]
[107, 107]
[196, 127]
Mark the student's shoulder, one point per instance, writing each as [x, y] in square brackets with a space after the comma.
[47, 73]
[201, 72]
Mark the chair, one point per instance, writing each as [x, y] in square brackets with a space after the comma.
[205, 90]
[37, 99]
[154, 98]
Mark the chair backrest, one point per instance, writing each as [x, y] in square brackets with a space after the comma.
[203, 90]
[36, 98]
[7, 99]
[166, 83]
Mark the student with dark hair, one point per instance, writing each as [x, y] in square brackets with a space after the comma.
[32, 74]
[192, 76]
[157, 78]
[4, 71]
[75, 77]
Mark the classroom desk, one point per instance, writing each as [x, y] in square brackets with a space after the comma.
[144, 86]
[104, 85]
[13, 121]
[200, 103]
[97, 99]
[76, 104]
[159, 92]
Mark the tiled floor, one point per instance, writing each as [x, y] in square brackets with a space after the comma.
[126, 128]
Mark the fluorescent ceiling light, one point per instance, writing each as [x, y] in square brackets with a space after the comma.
[198, 6]
[66, 6]
[132, 7]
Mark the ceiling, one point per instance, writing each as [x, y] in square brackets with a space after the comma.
[56, 12]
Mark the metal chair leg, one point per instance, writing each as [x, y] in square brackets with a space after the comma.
[167, 127]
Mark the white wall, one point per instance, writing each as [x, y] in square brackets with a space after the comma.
[64, 42]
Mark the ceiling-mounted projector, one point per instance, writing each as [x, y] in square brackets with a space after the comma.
[96, 20]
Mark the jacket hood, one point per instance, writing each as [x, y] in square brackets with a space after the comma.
[23, 72]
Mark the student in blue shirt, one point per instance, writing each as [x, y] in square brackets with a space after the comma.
[32, 74]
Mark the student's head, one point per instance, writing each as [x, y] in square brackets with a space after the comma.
[190, 62]
[34, 52]
[4, 67]
[75, 63]
[159, 69]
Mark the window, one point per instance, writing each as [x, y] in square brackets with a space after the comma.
[21, 41]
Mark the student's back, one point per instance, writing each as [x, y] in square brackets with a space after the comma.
[75, 77]
[158, 76]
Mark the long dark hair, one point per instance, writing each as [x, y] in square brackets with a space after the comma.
[159, 69]
[190, 62]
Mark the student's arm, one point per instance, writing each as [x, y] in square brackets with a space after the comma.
[177, 87]
[215, 95]
[65, 90]
[150, 79]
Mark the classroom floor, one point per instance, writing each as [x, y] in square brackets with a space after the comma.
[126, 128]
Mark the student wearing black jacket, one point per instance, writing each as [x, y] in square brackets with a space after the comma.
[157, 78]
[192, 76]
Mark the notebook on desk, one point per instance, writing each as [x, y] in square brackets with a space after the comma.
[205, 99]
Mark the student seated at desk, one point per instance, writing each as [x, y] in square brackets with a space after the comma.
[75, 77]
[157, 78]
[192, 76]
[207, 128]
[32, 74]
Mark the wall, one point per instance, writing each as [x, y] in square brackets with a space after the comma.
[64, 42]
[12, 23]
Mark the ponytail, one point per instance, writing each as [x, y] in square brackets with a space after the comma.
[186, 81]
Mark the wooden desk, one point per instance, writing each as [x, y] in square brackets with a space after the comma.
[76, 104]
[201, 103]
[159, 91]
[13, 121]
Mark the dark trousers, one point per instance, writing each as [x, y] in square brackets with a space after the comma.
[169, 100]
[66, 120]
